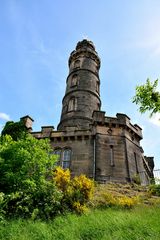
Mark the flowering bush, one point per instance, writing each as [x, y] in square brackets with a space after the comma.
[111, 195]
[79, 208]
[84, 185]
[127, 202]
[62, 178]
[76, 192]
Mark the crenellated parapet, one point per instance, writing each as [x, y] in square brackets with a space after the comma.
[85, 48]
[121, 121]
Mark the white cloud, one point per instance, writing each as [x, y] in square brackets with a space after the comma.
[155, 119]
[4, 116]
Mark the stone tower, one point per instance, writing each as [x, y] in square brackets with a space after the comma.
[88, 142]
[82, 96]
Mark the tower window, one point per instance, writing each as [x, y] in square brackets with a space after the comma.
[74, 80]
[77, 64]
[72, 105]
[66, 158]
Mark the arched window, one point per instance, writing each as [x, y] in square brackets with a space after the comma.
[77, 64]
[57, 153]
[66, 158]
[72, 105]
[74, 80]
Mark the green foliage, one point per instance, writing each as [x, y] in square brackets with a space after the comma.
[24, 164]
[147, 97]
[16, 130]
[2, 212]
[26, 181]
[155, 189]
[136, 179]
[28, 187]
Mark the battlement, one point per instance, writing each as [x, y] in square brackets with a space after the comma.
[121, 120]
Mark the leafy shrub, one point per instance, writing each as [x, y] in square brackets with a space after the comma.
[127, 202]
[16, 130]
[28, 187]
[26, 167]
[62, 178]
[79, 207]
[108, 199]
[155, 189]
[76, 192]
[2, 212]
[84, 186]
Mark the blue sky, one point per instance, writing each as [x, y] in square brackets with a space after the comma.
[36, 38]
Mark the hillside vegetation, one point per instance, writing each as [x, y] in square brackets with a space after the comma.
[125, 195]
[110, 216]
[39, 200]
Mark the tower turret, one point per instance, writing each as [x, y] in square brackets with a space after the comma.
[82, 94]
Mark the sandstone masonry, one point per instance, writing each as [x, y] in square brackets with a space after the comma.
[88, 142]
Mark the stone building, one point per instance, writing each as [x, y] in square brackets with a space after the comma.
[86, 141]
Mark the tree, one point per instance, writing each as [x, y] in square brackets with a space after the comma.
[147, 97]
[26, 170]
[16, 130]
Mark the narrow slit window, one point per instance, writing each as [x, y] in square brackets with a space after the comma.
[136, 164]
[111, 156]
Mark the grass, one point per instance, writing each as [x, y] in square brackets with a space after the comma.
[139, 223]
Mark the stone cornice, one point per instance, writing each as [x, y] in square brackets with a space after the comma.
[87, 53]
